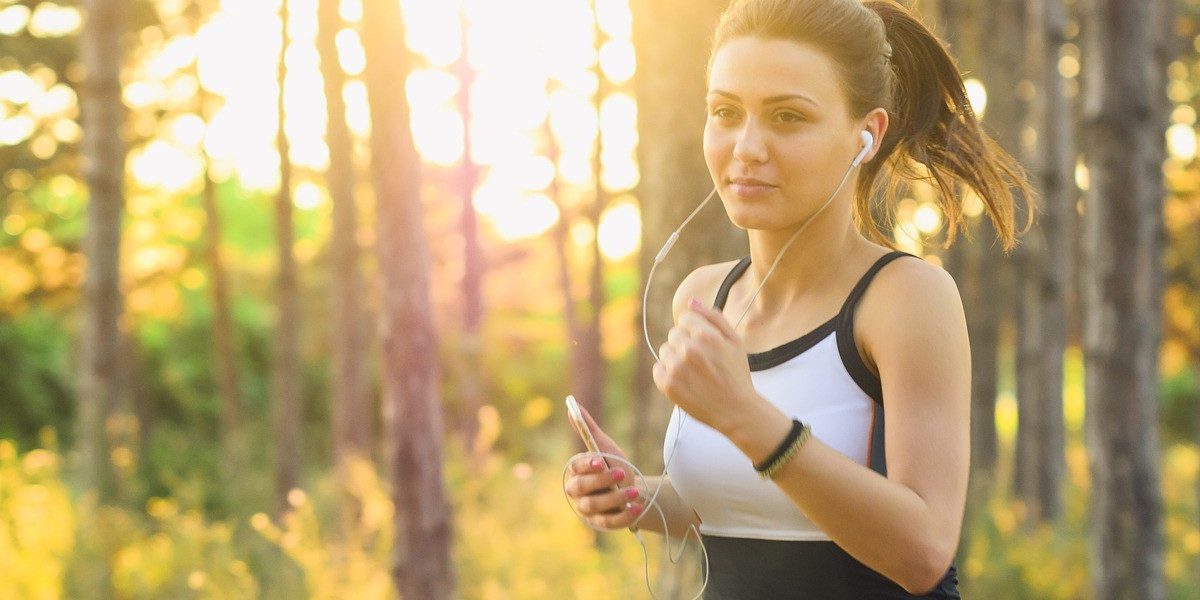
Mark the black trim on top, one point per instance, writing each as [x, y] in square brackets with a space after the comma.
[876, 455]
[734, 275]
[841, 322]
[847, 348]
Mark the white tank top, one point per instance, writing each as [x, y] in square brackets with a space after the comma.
[818, 378]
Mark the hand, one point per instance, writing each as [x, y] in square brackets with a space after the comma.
[604, 496]
[702, 368]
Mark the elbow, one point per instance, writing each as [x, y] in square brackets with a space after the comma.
[929, 566]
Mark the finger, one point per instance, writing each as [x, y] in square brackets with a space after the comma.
[713, 316]
[608, 502]
[620, 520]
[677, 335]
[586, 462]
[666, 354]
[587, 418]
[593, 483]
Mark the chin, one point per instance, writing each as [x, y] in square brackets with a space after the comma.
[746, 219]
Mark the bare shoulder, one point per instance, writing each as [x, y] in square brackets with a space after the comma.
[701, 283]
[910, 303]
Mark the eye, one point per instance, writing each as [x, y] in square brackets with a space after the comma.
[724, 113]
[789, 117]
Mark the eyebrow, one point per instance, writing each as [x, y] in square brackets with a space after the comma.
[771, 99]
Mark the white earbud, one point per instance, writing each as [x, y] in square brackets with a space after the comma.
[868, 143]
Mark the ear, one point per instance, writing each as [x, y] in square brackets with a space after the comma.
[875, 122]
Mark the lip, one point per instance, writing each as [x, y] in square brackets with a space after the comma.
[749, 187]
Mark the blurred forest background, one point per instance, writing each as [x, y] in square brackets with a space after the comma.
[230, 316]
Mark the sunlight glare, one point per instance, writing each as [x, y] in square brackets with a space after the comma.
[18, 87]
[429, 88]
[188, 130]
[308, 195]
[927, 218]
[438, 37]
[492, 143]
[162, 165]
[52, 20]
[572, 119]
[1181, 141]
[620, 231]
[358, 109]
[14, 19]
[977, 94]
[531, 172]
[526, 217]
[513, 98]
[617, 60]
[615, 18]
[438, 135]
[57, 100]
[16, 130]
[178, 54]
[351, 55]
[1083, 177]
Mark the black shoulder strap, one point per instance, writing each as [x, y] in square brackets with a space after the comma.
[861, 287]
[734, 274]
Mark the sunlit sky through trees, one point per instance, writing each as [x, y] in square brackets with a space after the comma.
[524, 76]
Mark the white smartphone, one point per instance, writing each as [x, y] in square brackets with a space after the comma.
[580, 425]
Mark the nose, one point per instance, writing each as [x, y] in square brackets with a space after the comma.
[750, 146]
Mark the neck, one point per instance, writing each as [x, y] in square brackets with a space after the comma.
[807, 266]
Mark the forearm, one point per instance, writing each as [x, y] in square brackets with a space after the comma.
[679, 515]
[884, 524]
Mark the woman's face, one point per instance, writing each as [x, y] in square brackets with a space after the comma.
[779, 135]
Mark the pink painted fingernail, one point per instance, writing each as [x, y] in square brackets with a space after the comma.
[635, 510]
[596, 463]
[618, 475]
[631, 493]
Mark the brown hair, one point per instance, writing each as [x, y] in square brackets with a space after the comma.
[887, 58]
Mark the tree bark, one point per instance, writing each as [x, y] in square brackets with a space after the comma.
[1123, 235]
[1047, 278]
[224, 347]
[103, 115]
[671, 38]
[589, 363]
[470, 378]
[352, 424]
[285, 385]
[413, 427]
[989, 293]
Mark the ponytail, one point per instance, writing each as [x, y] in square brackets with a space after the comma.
[936, 128]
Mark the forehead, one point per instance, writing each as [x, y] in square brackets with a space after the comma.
[754, 69]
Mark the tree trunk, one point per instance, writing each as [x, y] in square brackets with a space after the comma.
[670, 37]
[350, 407]
[990, 297]
[286, 369]
[1123, 236]
[413, 428]
[103, 115]
[1047, 281]
[470, 382]
[224, 348]
[589, 363]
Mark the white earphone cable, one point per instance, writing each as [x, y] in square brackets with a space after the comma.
[676, 412]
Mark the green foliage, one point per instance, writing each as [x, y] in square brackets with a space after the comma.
[33, 391]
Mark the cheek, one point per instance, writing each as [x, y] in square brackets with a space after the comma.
[716, 148]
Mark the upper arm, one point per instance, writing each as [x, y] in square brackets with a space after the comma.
[917, 336]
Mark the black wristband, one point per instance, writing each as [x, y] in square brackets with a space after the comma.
[797, 428]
